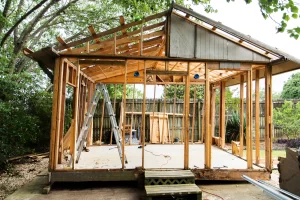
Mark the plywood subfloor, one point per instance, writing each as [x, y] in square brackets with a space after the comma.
[156, 156]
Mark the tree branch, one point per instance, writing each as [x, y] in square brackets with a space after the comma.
[19, 21]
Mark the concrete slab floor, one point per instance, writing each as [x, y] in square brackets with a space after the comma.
[128, 191]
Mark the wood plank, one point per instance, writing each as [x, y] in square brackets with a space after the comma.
[268, 118]
[207, 152]
[257, 119]
[153, 110]
[222, 113]
[249, 120]
[159, 190]
[241, 115]
[93, 33]
[164, 121]
[203, 122]
[186, 116]
[114, 109]
[159, 72]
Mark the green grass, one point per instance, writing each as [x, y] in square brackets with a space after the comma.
[275, 153]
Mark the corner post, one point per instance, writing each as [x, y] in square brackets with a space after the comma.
[186, 119]
[222, 114]
[249, 119]
[241, 115]
[207, 163]
[268, 117]
[257, 118]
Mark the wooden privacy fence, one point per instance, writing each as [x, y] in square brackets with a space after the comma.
[136, 120]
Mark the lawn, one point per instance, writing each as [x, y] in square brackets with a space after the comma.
[275, 153]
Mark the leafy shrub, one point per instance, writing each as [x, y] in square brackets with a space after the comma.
[282, 141]
[293, 143]
[25, 116]
[288, 117]
[233, 128]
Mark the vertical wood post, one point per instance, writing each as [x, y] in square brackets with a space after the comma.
[144, 117]
[241, 115]
[56, 84]
[203, 121]
[257, 119]
[132, 109]
[249, 119]
[268, 118]
[199, 121]
[153, 110]
[186, 119]
[207, 150]
[124, 116]
[90, 96]
[174, 111]
[222, 114]
[194, 114]
[163, 125]
[213, 111]
[76, 119]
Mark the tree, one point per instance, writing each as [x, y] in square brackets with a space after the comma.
[288, 117]
[291, 89]
[170, 91]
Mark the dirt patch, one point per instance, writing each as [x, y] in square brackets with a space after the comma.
[23, 171]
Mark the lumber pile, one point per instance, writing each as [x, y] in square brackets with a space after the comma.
[289, 169]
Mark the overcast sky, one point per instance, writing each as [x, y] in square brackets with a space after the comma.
[247, 19]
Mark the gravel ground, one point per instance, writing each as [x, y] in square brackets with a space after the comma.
[23, 172]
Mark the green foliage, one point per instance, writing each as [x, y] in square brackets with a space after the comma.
[288, 9]
[25, 111]
[291, 89]
[130, 91]
[288, 117]
[170, 91]
[233, 128]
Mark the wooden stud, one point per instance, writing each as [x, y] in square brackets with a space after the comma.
[59, 114]
[249, 120]
[62, 114]
[153, 110]
[132, 109]
[257, 119]
[91, 89]
[102, 119]
[222, 114]
[268, 118]
[174, 111]
[124, 116]
[203, 123]
[186, 119]
[163, 126]
[241, 115]
[115, 44]
[199, 121]
[144, 118]
[141, 40]
[114, 107]
[207, 160]
[213, 111]
[76, 102]
[54, 114]
[194, 115]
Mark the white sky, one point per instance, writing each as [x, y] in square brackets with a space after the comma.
[247, 19]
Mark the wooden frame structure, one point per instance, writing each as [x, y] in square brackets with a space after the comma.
[177, 46]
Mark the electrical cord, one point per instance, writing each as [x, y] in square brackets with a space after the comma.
[213, 195]
[165, 156]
